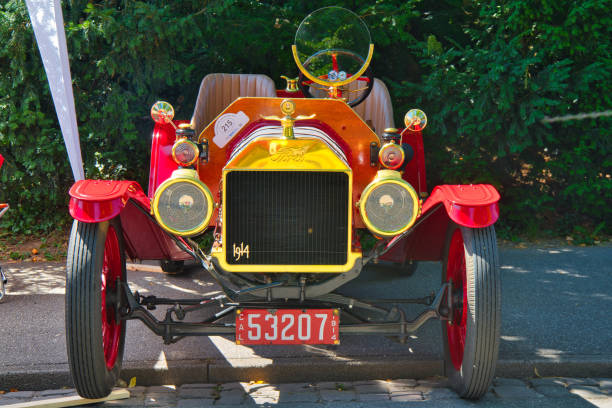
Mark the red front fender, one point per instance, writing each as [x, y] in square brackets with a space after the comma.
[101, 200]
[473, 205]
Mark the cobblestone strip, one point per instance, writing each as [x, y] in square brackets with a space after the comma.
[597, 391]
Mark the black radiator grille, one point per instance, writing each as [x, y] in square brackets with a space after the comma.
[286, 218]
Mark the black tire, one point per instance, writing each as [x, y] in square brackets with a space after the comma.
[172, 267]
[471, 375]
[3, 282]
[89, 356]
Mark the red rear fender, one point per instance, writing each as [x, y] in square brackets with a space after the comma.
[101, 200]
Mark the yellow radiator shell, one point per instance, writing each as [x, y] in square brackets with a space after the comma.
[270, 154]
[287, 154]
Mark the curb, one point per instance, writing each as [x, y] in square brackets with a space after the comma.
[287, 370]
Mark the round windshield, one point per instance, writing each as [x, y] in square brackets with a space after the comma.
[332, 44]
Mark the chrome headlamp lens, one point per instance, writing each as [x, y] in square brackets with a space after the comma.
[183, 205]
[389, 205]
[391, 156]
[185, 152]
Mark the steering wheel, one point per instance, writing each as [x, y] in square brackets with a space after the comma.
[368, 77]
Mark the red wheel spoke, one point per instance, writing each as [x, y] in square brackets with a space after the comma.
[456, 272]
[111, 271]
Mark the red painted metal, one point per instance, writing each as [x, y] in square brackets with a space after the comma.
[101, 200]
[162, 165]
[456, 273]
[111, 271]
[281, 93]
[96, 211]
[414, 172]
[144, 239]
[474, 205]
[424, 243]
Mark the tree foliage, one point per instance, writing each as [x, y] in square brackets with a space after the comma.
[518, 62]
[486, 73]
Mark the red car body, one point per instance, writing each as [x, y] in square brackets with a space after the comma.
[289, 200]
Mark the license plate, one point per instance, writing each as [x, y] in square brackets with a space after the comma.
[287, 326]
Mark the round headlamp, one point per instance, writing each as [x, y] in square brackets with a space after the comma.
[183, 204]
[389, 205]
[391, 155]
[185, 152]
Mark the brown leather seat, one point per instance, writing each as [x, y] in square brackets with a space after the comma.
[217, 91]
[376, 110]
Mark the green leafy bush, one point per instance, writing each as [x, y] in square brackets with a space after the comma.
[485, 72]
[487, 92]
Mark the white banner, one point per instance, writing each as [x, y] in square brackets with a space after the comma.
[48, 23]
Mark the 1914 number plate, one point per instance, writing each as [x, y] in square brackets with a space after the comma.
[287, 326]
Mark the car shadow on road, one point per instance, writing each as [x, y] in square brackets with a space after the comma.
[226, 360]
[555, 309]
[549, 297]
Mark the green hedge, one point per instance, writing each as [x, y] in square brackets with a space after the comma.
[519, 62]
[486, 73]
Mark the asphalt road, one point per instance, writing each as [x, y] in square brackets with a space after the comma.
[556, 320]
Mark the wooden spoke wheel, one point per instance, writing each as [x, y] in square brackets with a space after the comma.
[471, 335]
[94, 334]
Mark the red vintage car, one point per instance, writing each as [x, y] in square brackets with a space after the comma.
[287, 183]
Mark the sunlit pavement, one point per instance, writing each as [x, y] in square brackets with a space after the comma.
[543, 392]
[556, 305]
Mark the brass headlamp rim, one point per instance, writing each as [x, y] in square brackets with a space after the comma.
[387, 146]
[183, 141]
[184, 176]
[388, 177]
